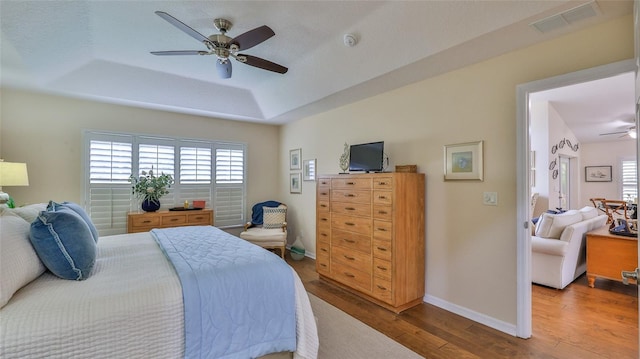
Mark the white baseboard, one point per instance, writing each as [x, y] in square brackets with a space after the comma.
[470, 314]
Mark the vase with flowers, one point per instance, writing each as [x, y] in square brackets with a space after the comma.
[149, 188]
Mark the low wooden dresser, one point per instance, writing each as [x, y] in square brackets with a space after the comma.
[370, 236]
[609, 254]
[145, 221]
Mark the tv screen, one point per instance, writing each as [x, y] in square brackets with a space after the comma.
[367, 157]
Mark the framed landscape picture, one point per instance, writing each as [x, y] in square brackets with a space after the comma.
[463, 161]
[597, 174]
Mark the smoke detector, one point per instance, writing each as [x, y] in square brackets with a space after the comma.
[350, 40]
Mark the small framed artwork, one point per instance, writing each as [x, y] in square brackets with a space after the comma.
[294, 159]
[309, 170]
[597, 174]
[295, 185]
[463, 161]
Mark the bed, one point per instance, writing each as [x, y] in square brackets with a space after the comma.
[133, 306]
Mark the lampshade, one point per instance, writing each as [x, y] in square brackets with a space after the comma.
[13, 174]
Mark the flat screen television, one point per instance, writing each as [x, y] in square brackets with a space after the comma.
[368, 157]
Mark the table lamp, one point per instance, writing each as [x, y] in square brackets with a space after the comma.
[12, 174]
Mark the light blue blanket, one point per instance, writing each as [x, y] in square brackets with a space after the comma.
[239, 299]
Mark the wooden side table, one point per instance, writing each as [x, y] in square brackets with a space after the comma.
[145, 221]
[608, 255]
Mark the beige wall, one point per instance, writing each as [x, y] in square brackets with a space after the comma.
[46, 132]
[471, 248]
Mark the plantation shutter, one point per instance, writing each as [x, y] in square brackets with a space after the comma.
[195, 172]
[109, 192]
[229, 185]
[629, 180]
[159, 154]
[202, 170]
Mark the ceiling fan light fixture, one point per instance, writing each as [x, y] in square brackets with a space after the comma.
[223, 67]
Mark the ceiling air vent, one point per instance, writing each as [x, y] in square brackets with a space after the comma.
[567, 17]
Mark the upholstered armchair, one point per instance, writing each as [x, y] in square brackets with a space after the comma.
[268, 226]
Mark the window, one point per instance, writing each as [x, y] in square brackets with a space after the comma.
[629, 179]
[111, 158]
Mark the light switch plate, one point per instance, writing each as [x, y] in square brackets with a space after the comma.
[490, 198]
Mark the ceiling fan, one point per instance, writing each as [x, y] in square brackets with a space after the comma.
[225, 47]
[631, 132]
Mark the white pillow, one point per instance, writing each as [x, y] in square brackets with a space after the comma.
[28, 212]
[589, 212]
[19, 263]
[552, 225]
[273, 217]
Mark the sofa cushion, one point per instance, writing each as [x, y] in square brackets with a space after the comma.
[19, 263]
[588, 212]
[552, 225]
[64, 243]
[547, 246]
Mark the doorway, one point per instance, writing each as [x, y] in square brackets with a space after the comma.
[524, 91]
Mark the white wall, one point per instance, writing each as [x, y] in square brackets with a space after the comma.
[605, 154]
[46, 132]
[470, 248]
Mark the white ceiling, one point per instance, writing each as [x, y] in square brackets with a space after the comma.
[100, 49]
[595, 108]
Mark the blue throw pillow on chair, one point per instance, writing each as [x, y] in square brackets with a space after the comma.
[64, 243]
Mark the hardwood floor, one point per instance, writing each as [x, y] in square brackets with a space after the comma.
[577, 322]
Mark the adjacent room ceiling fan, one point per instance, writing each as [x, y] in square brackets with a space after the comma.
[225, 47]
[631, 132]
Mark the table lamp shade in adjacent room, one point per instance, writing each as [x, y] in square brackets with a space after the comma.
[12, 174]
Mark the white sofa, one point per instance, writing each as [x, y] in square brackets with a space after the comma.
[559, 246]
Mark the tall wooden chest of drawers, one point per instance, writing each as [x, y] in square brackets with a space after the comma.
[370, 236]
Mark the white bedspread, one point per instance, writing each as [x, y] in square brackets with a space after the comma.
[131, 307]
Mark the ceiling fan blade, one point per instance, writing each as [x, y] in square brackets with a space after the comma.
[253, 37]
[182, 26]
[613, 133]
[224, 69]
[262, 63]
[179, 52]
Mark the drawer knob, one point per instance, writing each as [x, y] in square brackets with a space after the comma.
[382, 183]
[382, 268]
[323, 265]
[199, 218]
[323, 234]
[323, 249]
[147, 221]
[173, 219]
[323, 205]
[323, 193]
[382, 197]
[348, 240]
[349, 258]
[350, 208]
[382, 229]
[349, 224]
[323, 219]
[381, 287]
[349, 275]
[349, 195]
[382, 249]
[382, 212]
[351, 183]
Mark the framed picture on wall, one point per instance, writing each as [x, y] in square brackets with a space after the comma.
[463, 161]
[294, 159]
[597, 174]
[295, 185]
[309, 170]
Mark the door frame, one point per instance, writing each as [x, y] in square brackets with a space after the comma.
[523, 166]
